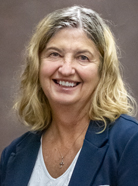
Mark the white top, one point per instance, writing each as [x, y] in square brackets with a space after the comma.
[41, 177]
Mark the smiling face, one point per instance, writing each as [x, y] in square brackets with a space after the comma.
[69, 68]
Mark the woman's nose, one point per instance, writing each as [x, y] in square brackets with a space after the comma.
[66, 69]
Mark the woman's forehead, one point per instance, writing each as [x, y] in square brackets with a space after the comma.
[70, 37]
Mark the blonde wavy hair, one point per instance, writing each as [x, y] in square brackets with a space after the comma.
[110, 98]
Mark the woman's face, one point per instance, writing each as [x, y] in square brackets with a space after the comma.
[69, 68]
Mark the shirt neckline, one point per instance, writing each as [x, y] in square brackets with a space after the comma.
[68, 169]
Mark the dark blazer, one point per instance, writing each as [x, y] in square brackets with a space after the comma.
[108, 158]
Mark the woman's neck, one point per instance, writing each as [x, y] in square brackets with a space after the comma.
[68, 123]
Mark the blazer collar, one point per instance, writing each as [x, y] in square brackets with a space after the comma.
[91, 156]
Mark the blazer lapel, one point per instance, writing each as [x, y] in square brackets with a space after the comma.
[91, 156]
[21, 162]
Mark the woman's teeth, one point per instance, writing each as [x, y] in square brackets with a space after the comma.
[67, 84]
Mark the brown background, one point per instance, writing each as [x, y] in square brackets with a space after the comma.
[17, 20]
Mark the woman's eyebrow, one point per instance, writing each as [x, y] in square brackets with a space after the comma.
[78, 51]
[52, 48]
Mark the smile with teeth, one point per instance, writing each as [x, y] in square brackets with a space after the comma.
[66, 83]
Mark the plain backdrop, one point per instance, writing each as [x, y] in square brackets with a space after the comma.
[17, 21]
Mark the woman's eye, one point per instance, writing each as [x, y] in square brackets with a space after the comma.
[54, 54]
[83, 58]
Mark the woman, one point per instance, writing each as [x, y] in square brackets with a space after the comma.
[75, 102]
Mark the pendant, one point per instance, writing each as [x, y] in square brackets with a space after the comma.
[61, 163]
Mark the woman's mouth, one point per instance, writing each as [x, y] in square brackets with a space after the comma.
[66, 83]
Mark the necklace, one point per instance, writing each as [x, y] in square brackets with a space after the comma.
[61, 164]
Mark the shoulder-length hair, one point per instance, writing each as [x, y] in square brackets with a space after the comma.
[110, 98]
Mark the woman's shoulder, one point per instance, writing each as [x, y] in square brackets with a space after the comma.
[20, 142]
[127, 118]
[125, 123]
[124, 132]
